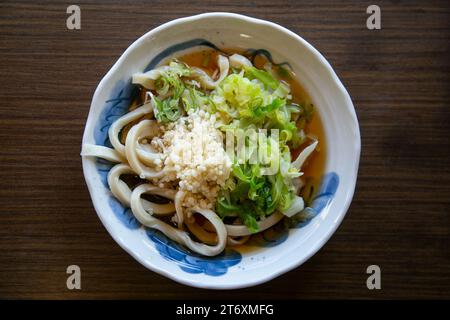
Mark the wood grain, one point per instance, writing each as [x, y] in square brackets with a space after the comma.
[399, 81]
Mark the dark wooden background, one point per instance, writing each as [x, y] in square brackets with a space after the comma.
[398, 78]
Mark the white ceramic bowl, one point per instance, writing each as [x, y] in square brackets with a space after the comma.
[272, 254]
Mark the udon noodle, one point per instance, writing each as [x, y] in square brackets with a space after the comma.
[206, 215]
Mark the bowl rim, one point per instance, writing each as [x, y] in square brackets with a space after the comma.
[350, 189]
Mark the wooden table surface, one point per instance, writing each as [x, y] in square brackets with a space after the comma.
[398, 78]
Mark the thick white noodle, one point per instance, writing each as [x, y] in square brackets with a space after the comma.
[147, 79]
[201, 234]
[144, 129]
[241, 230]
[147, 155]
[237, 241]
[92, 150]
[205, 80]
[239, 62]
[161, 209]
[179, 218]
[205, 233]
[118, 187]
[298, 163]
[177, 234]
[117, 125]
[123, 193]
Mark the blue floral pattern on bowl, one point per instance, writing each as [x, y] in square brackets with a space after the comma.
[327, 189]
[192, 262]
[123, 93]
